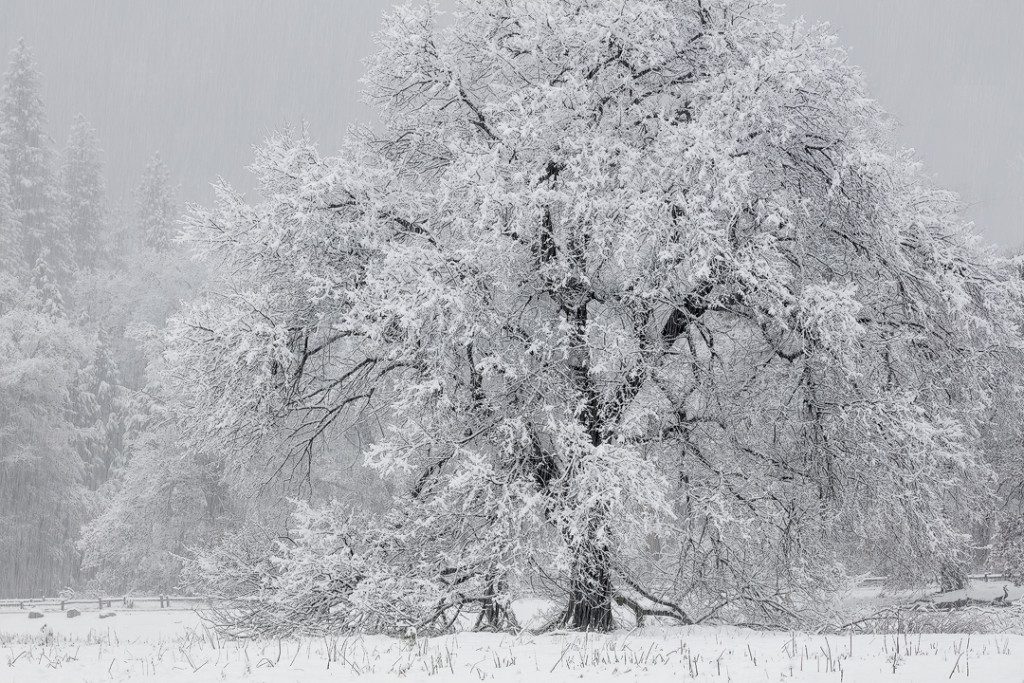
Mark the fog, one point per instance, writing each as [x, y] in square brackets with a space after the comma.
[203, 81]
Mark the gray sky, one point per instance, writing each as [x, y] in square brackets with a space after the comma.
[204, 80]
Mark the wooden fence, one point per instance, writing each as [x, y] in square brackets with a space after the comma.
[975, 578]
[142, 603]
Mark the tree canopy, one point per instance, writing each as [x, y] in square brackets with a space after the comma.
[638, 301]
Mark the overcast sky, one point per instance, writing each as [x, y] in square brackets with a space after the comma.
[203, 80]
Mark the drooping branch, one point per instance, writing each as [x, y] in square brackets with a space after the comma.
[693, 306]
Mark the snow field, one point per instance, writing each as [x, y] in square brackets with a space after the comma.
[176, 646]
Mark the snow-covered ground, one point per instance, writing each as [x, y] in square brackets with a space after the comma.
[175, 646]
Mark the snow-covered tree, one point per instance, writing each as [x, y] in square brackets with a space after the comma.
[41, 505]
[173, 498]
[1002, 536]
[29, 160]
[44, 287]
[65, 268]
[168, 500]
[644, 301]
[12, 260]
[102, 412]
[1004, 445]
[156, 214]
[83, 210]
[156, 499]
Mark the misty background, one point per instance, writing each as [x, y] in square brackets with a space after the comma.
[202, 82]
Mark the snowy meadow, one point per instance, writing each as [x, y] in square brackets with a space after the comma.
[180, 646]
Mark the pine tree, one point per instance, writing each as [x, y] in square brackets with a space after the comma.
[12, 260]
[47, 294]
[102, 414]
[83, 211]
[29, 159]
[154, 205]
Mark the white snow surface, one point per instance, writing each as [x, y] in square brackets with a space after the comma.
[176, 646]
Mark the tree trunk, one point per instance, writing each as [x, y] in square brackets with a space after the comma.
[495, 614]
[590, 591]
[952, 577]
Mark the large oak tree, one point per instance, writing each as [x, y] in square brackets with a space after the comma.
[642, 298]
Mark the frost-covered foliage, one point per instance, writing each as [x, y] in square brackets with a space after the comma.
[68, 371]
[102, 412]
[1002, 534]
[41, 353]
[167, 500]
[29, 161]
[12, 261]
[150, 498]
[334, 572]
[174, 501]
[156, 215]
[645, 306]
[41, 501]
[83, 201]
[174, 498]
[164, 499]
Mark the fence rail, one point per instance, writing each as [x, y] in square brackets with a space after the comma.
[147, 602]
[984, 578]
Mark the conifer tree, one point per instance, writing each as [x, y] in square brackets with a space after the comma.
[47, 293]
[155, 209]
[33, 194]
[12, 260]
[83, 212]
[102, 413]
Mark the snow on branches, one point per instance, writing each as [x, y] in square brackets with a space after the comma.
[639, 301]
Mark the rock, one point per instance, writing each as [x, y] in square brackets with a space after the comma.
[35, 615]
[72, 613]
[107, 615]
